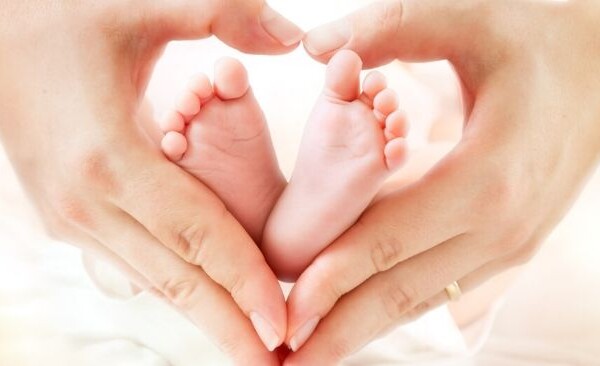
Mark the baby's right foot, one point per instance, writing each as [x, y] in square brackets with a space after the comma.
[220, 136]
[352, 143]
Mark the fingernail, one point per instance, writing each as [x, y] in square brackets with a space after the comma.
[303, 334]
[265, 331]
[328, 37]
[280, 28]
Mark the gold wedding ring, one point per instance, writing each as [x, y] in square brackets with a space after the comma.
[453, 291]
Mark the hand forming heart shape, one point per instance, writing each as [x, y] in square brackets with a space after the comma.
[72, 80]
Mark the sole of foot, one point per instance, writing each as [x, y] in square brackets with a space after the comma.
[218, 133]
[353, 142]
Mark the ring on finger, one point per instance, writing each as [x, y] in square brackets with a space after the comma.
[453, 291]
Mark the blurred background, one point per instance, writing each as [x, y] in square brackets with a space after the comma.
[52, 314]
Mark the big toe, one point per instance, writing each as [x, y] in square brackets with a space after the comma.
[231, 79]
[343, 75]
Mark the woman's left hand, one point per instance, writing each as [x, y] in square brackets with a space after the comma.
[532, 93]
[72, 76]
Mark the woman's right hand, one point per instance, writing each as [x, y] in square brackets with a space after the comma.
[72, 75]
[531, 86]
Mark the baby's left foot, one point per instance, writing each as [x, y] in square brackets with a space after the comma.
[352, 143]
[219, 135]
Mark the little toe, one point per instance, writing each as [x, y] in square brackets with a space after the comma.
[201, 86]
[385, 103]
[231, 79]
[343, 76]
[188, 104]
[174, 145]
[396, 125]
[172, 121]
[374, 83]
[395, 153]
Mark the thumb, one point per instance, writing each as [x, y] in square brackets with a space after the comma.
[411, 30]
[250, 26]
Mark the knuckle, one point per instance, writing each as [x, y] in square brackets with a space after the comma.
[524, 254]
[179, 292]
[94, 170]
[340, 349]
[513, 241]
[71, 210]
[240, 351]
[229, 345]
[398, 300]
[418, 311]
[385, 253]
[496, 198]
[321, 273]
[190, 243]
[194, 237]
[237, 285]
[390, 16]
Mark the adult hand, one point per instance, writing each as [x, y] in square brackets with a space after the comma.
[531, 139]
[72, 76]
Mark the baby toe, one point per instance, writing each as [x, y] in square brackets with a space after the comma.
[172, 121]
[395, 153]
[385, 103]
[174, 145]
[201, 86]
[188, 104]
[374, 83]
[396, 125]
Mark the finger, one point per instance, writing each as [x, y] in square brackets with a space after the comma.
[480, 290]
[187, 287]
[386, 298]
[248, 25]
[187, 218]
[468, 283]
[475, 279]
[390, 29]
[396, 228]
[100, 264]
[93, 252]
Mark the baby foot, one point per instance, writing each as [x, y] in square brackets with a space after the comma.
[220, 136]
[352, 143]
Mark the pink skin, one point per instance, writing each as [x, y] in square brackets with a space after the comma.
[219, 135]
[353, 142]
